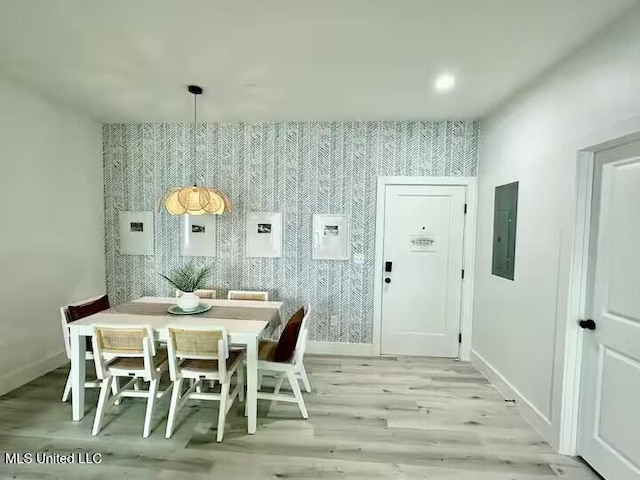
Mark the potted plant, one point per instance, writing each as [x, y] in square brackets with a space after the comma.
[187, 279]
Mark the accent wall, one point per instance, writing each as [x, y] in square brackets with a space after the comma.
[295, 168]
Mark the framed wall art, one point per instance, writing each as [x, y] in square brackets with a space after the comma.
[199, 235]
[136, 233]
[264, 234]
[331, 237]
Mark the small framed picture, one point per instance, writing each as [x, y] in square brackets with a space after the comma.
[264, 228]
[136, 233]
[264, 234]
[331, 237]
[198, 235]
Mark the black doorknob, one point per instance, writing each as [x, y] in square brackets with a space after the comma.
[587, 324]
[387, 280]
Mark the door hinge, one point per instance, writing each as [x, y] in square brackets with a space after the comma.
[459, 338]
[465, 208]
[463, 273]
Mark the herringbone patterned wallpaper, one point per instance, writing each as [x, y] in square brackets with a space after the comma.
[296, 168]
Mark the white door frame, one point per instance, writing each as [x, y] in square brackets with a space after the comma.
[579, 276]
[466, 307]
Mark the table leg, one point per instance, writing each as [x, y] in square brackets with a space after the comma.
[78, 374]
[252, 386]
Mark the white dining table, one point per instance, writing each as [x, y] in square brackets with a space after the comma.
[242, 331]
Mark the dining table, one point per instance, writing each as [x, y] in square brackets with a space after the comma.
[246, 322]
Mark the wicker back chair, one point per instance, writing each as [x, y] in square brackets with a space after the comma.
[201, 354]
[247, 295]
[202, 293]
[127, 351]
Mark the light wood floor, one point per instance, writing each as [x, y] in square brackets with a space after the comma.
[370, 418]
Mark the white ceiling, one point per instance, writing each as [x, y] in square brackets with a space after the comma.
[262, 60]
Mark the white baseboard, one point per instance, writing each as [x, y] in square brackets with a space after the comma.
[534, 416]
[18, 377]
[335, 348]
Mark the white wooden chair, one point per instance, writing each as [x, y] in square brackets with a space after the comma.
[84, 308]
[202, 354]
[298, 360]
[208, 294]
[298, 356]
[127, 351]
[247, 295]
[291, 369]
[202, 293]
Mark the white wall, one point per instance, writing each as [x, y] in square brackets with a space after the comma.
[51, 234]
[519, 326]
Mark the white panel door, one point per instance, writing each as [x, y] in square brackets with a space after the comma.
[423, 249]
[609, 422]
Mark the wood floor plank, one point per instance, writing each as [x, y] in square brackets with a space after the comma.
[370, 418]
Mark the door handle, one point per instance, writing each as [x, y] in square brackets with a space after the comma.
[587, 324]
[387, 280]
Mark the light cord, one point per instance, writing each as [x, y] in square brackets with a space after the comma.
[195, 118]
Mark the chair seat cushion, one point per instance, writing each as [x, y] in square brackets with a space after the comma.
[137, 363]
[267, 350]
[288, 339]
[197, 365]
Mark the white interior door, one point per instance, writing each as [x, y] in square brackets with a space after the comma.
[609, 422]
[422, 259]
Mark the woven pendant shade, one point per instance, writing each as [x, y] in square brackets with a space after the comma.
[218, 202]
[195, 200]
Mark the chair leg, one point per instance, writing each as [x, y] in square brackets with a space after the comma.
[67, 388]
[305, 378]
[115, 389]
[222, 414]
[173, 408]
[102, 405]
[276, 390]
[240, 382]
[151, 401]
[199, 387]
[295, 387]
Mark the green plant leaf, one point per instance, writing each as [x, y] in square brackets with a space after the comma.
[188, 278]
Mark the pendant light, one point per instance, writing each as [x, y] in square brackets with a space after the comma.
[195, 200]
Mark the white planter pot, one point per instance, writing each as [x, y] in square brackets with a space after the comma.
[188, 301]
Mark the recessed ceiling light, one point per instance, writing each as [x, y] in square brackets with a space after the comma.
[445, 83]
